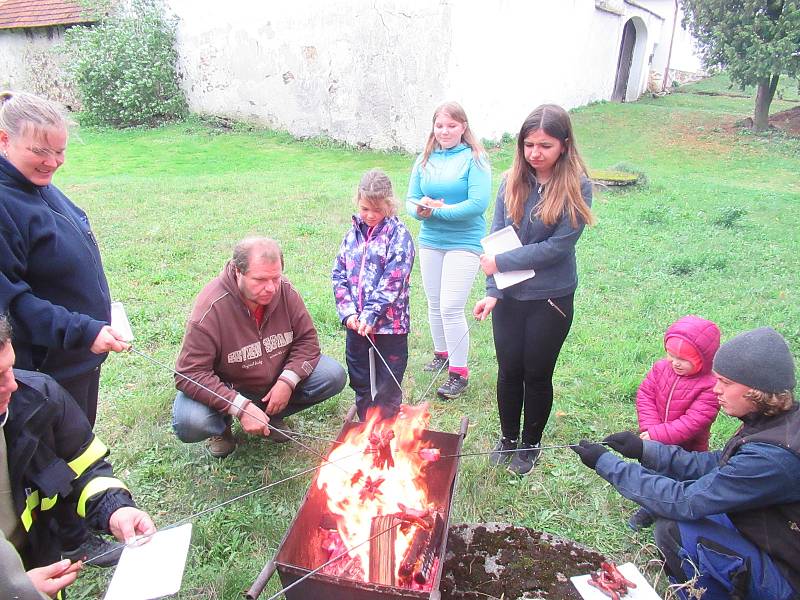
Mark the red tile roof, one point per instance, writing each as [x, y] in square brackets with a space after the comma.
[41, 13]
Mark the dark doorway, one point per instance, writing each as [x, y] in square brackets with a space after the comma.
[624, 62]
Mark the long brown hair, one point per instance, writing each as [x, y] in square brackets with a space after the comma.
[563, 191]
[375, 188]
[456, 112]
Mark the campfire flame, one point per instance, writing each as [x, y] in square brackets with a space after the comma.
[381, 474]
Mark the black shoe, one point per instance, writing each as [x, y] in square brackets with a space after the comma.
[437, 364]
[453, 387]
[108, 552]
[278, 437]
[501, 452]
[641, 519]
[523, 461]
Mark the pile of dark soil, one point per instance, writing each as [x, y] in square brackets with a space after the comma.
[787, 121]
[497, 560]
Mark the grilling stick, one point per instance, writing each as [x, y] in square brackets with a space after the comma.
[515, 450]
[332, 560]
[140, 538]
[210, 391]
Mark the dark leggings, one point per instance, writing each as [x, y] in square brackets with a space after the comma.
[528, 335]
[85, 389]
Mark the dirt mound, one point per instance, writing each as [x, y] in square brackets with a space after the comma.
[497, 560]
[787, 121]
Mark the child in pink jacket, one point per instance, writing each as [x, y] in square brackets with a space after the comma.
[676, 403]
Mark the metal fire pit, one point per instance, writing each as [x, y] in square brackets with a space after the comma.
[300, 551]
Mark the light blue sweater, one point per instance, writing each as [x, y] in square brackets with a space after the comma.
[465, 186]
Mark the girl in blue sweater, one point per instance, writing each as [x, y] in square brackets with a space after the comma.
[449, 192]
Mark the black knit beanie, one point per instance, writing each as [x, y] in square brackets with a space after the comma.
[759, 359]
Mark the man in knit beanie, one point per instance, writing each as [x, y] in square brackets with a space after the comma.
[727, 522]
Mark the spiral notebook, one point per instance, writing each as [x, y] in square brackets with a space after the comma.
[502, 241]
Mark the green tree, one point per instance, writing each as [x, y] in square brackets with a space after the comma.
[125, 67]
[756, 41]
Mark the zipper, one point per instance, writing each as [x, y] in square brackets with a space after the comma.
[669, 400]
[360, 306]
[553, 304]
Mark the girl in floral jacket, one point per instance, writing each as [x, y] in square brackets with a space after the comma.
[371, 281]
[676, 403]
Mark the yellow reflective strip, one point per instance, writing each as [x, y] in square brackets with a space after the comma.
[95, 486]
[48, 503]
[91, 455]
[31, 502]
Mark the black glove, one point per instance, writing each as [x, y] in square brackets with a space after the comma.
[589, 452]
[626, 443]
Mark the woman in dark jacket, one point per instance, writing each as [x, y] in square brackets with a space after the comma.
[52, 283]
[546, 197]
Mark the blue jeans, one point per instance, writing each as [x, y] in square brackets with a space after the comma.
[727, 565]
[393, 348]
[195, 422]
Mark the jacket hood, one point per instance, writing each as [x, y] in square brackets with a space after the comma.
[703, 335]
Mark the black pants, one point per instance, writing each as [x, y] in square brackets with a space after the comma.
[528, 335]
[84, 389]
[394, 349]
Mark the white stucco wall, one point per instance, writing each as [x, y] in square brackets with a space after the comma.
[29, 62]
[372, 73]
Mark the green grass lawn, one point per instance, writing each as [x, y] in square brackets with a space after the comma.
[713, 232]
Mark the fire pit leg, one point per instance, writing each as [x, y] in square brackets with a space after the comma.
[348, 418]
[261, 581]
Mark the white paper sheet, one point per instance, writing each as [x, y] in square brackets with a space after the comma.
[502, 241]
[119, 321]
[642, 591]
[154, 569]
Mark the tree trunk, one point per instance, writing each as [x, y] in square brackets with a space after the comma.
[766, 91]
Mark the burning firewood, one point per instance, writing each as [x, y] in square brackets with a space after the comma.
[381, 549]
[419, 557]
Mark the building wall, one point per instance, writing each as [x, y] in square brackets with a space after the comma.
[31, 61]
[371, 74]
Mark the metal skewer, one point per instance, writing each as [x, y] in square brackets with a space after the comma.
[140, 538]
[515, 450]
[332, 560]
[224, 399]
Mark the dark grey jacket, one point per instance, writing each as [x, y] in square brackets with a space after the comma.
[547, 249]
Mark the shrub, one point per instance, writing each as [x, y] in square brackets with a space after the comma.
[125, 68]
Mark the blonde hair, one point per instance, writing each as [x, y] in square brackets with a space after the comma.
[20, 111]
[375, 188]
[563, 192]
[770, 404]
[456, 112]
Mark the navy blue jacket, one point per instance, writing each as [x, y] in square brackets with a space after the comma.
[755, 482]
[547, 249]
[52, 282]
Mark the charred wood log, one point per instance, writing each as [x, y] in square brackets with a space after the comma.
[428, 557]
[381, 549]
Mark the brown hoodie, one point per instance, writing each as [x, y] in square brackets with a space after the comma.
[224, 350]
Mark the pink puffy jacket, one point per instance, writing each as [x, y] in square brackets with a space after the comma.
[676, 409]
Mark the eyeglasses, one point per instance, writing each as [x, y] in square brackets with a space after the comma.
[46, 152]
